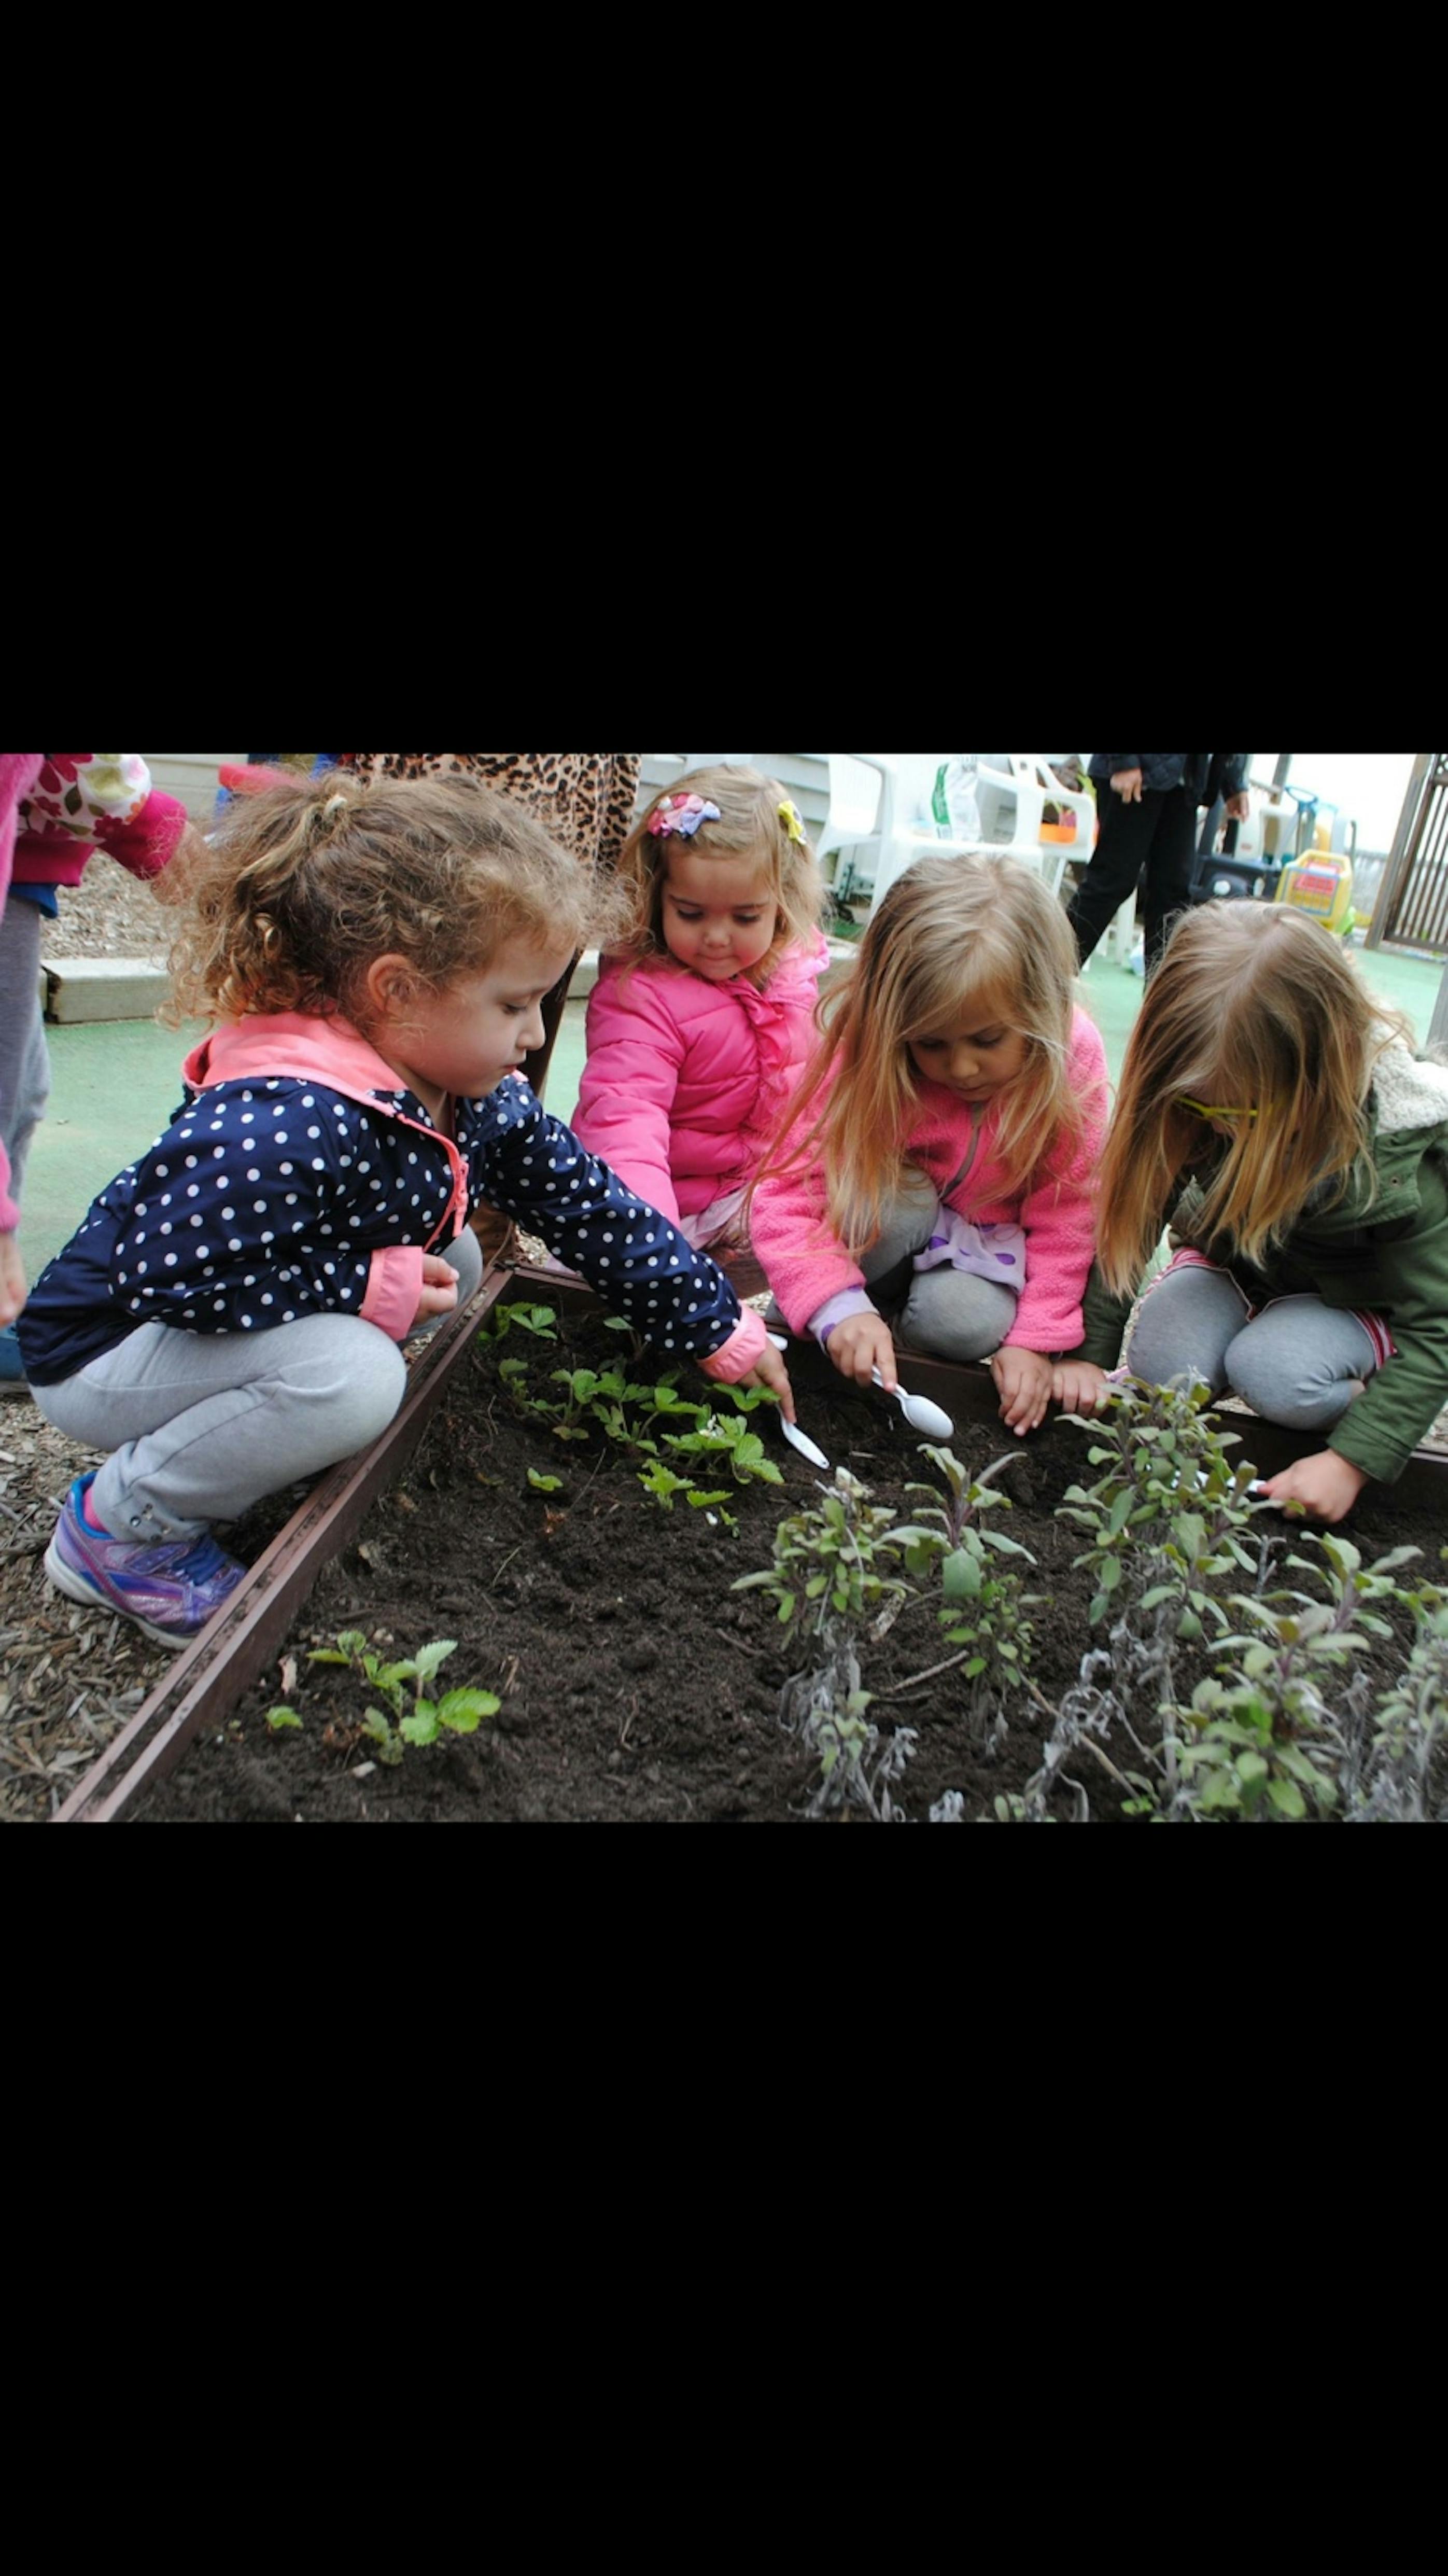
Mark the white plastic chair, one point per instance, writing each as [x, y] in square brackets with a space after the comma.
[1013, 790]
[905, 831]
[852, 826]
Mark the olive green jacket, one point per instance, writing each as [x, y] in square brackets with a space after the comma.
[1383, 1249]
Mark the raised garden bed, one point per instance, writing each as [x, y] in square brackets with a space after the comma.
[626, 1680]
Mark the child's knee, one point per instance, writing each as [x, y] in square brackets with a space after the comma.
[357, 1381]
[466, 1258]
[1287, 1385]
[954, 1316]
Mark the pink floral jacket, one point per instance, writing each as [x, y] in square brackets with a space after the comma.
[84, 801]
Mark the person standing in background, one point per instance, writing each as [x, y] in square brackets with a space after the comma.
[1148, 803]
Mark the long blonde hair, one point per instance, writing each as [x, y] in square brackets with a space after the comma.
[302, 887]
[756, 820]
[1250, 1009]
[949, 932]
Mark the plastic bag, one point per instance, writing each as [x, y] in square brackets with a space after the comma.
[956, 804]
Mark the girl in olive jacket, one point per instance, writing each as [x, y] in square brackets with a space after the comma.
[1279, 1121]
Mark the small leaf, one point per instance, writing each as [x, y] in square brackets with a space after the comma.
[463, 1711]
[279, 1719]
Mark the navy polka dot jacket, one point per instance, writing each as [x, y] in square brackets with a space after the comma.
[276, 1193]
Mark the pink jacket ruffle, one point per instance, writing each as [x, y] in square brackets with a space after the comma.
[18, 773]
[686, 1081]
[807, 1266]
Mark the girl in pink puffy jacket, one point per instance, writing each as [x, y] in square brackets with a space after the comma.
[937, 1168]
[700, 1023]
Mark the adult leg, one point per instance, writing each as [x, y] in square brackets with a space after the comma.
[1127, 835]
[1188, 1322]
[202, 1426]
[1302, 1364]
[24, 1057]
[1170, 863]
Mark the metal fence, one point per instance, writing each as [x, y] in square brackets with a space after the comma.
[1412, 909]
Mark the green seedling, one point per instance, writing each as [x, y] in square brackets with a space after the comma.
[983, 1601]
[1169, 1515]
[458, 1713]
[539, 1321]
[279, 1720]
[544, 1484]
[730, 1440]
[825, 1566]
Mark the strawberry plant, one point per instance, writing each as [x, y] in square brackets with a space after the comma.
[422, 1721]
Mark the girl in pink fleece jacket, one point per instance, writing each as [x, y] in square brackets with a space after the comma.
[701, 1021]
[943, 1142]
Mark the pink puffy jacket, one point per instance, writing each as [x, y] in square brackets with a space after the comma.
[808, 1267]
[686, 1080]
[18, 773]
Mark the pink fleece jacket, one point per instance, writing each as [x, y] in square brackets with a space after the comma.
[18, 773]
[79, 802]
[808, 1266]
[686, 1080]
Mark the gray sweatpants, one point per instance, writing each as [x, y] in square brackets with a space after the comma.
[945, 1314]
[201, 1426]
[1300, 1364]
[24, 1057]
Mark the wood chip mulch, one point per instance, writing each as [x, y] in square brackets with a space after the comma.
[69, 1678]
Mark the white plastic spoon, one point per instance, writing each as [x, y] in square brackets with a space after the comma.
[920, 1413]
[806, 1447]
[796, 1438]
[918, 1410]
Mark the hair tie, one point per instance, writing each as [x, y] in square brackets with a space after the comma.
[680, 817]
[793, 821]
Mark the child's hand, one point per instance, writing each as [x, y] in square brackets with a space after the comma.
[1326, 1486]
[772, 1373]
[12, 1280]
[1080, 1387]
[439, 1291]
[1026, 1381]
[862, 1344]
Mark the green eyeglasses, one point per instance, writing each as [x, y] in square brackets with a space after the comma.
[1199, 1109]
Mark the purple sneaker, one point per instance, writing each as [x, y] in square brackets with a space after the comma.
[170, 1590]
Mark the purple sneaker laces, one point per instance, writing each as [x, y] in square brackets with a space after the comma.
[170, 1588]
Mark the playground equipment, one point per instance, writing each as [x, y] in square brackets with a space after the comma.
[1320, 883]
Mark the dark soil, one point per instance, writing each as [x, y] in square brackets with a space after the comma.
[636, 1687]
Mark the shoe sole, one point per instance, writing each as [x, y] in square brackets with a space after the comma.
[75, 1588]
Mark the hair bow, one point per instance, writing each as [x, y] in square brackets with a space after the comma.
[793, 821]
[681, 815]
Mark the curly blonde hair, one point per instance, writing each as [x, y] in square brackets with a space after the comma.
[756, 820]
[302, 887]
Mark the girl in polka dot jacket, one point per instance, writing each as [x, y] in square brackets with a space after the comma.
[229, 1317]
